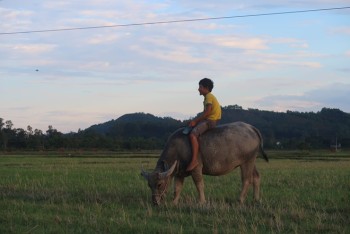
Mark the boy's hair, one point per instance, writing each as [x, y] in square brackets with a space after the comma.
[207, 83]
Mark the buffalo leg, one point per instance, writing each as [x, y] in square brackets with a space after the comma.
[256, 184]
[197, 177]
[247, 178]
[178, 184]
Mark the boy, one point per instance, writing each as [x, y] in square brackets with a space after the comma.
[207, 120]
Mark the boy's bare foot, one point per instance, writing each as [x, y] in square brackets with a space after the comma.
[192, 166]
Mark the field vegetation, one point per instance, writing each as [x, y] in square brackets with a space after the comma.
[103, 192]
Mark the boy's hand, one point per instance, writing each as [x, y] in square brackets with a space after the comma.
[192, 123]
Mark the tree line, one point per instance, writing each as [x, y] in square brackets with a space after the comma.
[129, 135]
[141, 131]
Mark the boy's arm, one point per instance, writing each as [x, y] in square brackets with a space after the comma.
[203, 116]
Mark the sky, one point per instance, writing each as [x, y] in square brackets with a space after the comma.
[73, 79]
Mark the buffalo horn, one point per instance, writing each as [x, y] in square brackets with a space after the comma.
[167, 173]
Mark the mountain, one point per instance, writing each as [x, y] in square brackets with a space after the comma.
[296, 129]
[290, 129]
[138, 125]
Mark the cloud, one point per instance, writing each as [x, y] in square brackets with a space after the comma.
[241, 43]
[63, 120]
[20, 108]
[292, 42]
[293, 63]
[104, 14]
[224, 39]
[52, 5]
[96, 65]
[341, 30]
[66, 120]
[33, 48]
[102, 39]
[176, 54]
[334, 96]
[14, 20]
[10, 14]
[249, 58]
[270, 5]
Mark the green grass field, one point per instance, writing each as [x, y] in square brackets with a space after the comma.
[302, 192]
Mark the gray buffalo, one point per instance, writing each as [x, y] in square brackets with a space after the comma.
[222, 149]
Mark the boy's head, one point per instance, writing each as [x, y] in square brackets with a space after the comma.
[207, 83]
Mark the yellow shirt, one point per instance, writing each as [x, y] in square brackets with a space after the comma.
[216, 108]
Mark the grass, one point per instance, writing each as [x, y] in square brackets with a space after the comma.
[301, 192]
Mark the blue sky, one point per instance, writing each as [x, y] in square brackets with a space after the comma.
[74, 79]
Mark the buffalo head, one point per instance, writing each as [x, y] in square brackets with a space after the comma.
[159, 182]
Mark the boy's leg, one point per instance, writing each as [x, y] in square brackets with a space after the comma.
[195, 147]
[196, 132]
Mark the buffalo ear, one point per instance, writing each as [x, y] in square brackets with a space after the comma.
[144, 173]
[165, 165]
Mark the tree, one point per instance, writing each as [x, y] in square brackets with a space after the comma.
[54, 138]
[29, 130]
[9, 124]
[8, 133]
[1, 123]
[38, 139]
[1, 132]
[20, 139]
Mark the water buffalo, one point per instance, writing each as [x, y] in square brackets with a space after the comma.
[222, 149]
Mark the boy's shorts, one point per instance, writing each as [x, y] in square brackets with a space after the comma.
[203, 126]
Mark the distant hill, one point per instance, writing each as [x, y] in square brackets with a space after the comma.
[296, 129]
[138, 125]
[288, 130]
